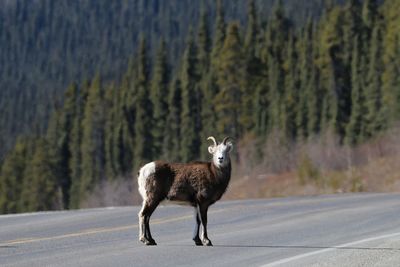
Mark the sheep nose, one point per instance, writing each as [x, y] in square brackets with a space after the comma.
[220, 158]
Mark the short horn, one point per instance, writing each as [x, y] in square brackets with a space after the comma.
[213, 139]
[226, 139]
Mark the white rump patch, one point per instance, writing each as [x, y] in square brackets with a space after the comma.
[144, 174]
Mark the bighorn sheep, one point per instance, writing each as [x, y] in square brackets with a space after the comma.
[199, 184]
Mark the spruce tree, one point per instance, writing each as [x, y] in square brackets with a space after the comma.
[306, 65]
[93, 138]
[172, 136]
[159, 95]
[75, 167]
[375, 115]
[143, 138]
[290, 99]
[127, 115]
[190, 116]
[40, 190]
[355, 128]
[11, 177]
[112, 127]
[231, 77]
[219, 32]
[207, 84]
[59, 138]
[391, 60]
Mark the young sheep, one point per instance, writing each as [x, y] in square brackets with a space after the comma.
[199, 184]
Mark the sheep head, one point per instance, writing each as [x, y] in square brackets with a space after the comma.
[220, 151]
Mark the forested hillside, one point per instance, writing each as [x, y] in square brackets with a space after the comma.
[45, 45]
[247, 77]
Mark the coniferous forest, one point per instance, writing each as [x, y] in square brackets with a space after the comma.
[76, 117]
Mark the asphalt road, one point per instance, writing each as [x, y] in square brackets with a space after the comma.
[335, 230]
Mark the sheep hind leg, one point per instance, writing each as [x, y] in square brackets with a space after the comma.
[196, 231]
[144, 223]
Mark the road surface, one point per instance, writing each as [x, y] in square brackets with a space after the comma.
[333, 230]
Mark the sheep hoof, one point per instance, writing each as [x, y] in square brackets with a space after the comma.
[207, 242]
[197, 241]
[148, 242]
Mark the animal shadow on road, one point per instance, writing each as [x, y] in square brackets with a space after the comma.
[7, 247]
[306, 247]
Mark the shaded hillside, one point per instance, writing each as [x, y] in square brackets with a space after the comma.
[46, 45]
[337, 76]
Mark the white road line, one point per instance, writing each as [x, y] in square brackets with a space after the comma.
[325, 250]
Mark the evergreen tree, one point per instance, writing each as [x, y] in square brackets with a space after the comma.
[219, 33]
[59, 138]
[370, 13]
[112, 131]
[207, 84]
[143, 138]
[12, 176]
[40, 191]
[355, 128]
[93, 138]
[172, 137]
[231, 77]
[305, 93]
[127, 118]
[290, 99]
[159, 95]
[375, 115]
[252, 31]
[313, 103]
[391, 60]
[75, 167]
[190, 116]
[204, 45]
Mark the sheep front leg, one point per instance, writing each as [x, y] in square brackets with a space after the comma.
[202, 210]
[196, 231]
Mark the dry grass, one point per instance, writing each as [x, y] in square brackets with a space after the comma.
[319, 165]
[277, 168]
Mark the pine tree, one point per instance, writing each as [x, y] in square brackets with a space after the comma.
[355, 128]
[59, 138]
[204, 45]
[290, 99]
[252, 31]
[313, 103]
[143, 138]
[375, 115]
[172, 137]
[370, 13]
[190, 116]
[305, 94]
[111, 132]
[329, 64]
[342, 60]
[127, 117]
[75, 167]
[219, 33]
[39, 189]
[252, 66]
[391, 60]
[12, 176]
[159, 95]
[231, 77]
[207, 84]
[93, 138]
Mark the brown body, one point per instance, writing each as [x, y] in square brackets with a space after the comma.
[193, 183]
[199, 184]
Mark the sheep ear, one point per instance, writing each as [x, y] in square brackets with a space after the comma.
[229, 146]
[211, 149]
